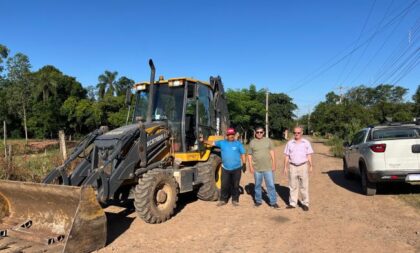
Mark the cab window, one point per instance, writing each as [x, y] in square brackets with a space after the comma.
[204, 110]
[358, 138]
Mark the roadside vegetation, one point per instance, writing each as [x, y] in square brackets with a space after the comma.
[36, 104]
[338, 118]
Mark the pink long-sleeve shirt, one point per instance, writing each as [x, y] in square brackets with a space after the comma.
[298, 151]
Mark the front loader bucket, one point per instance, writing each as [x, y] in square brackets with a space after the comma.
[50, 218]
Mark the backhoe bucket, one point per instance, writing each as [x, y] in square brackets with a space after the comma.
[50, 218]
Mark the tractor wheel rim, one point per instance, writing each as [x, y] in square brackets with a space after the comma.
[161, 196]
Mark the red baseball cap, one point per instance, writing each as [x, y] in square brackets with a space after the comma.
[230, 131]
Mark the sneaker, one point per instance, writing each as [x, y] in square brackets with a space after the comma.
[305, 208]
[290, 207]
[235, 203]
[275, 206]
[257, 204]
[221, 203]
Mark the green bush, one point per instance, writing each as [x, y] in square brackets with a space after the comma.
[336, 146]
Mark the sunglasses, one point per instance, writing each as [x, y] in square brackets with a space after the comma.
[259, 132]
[296, 132]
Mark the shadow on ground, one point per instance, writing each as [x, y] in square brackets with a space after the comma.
[118, 223]
[282, 192]
[326, 154]
[185, 199]
[353, 185]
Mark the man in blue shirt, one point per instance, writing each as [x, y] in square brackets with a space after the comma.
[233, 160]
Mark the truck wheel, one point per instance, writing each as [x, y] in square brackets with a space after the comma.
[155, 196]
[368, 188]
[346, 172]
[209, 171]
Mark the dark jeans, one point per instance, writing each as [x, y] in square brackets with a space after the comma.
[230, 184]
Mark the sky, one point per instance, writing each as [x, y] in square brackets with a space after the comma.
[302, 48]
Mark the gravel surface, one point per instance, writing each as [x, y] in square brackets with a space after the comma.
[340, 219]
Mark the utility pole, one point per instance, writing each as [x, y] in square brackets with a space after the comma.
[309, 118]
[409, 37]
[341, 93]
[266, 112]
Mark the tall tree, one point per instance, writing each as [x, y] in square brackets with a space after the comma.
[247, 110]
[107, 83]
[19, 75]
[46, 81]
[124, 84]
[416, 99]
[4, 52]
[280, 113]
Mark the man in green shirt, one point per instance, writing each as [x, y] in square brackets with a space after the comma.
[262, 163]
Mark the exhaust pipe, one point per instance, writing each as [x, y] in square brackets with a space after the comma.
[151, 91]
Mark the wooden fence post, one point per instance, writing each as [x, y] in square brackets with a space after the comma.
[63, 149]
[9, 161]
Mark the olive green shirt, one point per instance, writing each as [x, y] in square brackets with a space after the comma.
[260, 149]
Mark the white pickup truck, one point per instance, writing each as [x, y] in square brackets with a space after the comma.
[385, 153]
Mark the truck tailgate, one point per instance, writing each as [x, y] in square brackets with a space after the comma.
[400, 155]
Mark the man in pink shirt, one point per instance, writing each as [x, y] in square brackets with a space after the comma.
[297, 164]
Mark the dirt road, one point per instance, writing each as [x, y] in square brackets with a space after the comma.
[340, 219]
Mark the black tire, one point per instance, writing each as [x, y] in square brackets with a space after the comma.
[346, 172]
[208, 190]
[155, 196]
[368, 188]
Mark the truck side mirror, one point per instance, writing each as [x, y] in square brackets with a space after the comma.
[346, 144]
[128, 97]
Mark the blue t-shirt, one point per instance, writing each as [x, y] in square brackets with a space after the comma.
[231, 153]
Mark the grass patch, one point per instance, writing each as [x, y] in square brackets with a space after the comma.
[30, 162]
[336, 146]
[412, 199]
[33, 167]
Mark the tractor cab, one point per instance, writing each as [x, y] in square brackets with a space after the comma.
[189, 106]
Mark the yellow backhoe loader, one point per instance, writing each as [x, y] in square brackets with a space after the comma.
[150, 161]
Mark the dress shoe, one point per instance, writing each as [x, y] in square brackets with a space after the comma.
[221, 203]
[275, 206]
[305, 208]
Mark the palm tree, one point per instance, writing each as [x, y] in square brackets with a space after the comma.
[123, 85]
[47, 79]
[4, 51]
[107, 82]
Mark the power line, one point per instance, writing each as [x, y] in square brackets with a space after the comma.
[395, 57]
[389, 69]
[357, 41]
[367, 46]
[407, 64]
[377, 52]
[408, 69]
[314, 75]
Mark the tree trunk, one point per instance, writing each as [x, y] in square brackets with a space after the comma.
[5, 139]
[24, 124]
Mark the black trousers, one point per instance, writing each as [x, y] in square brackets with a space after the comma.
[230, 184]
